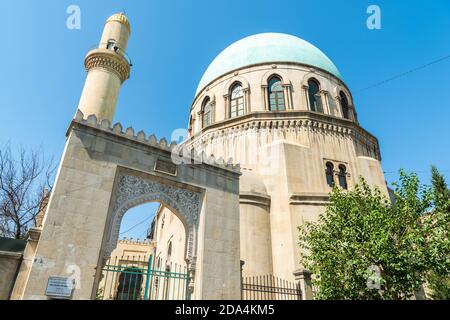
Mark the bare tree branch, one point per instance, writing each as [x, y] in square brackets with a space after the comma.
[25, 181]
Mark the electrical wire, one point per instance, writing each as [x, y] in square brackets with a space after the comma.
[136, 225]
[403, 74]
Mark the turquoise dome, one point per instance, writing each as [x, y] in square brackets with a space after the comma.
[266, 47]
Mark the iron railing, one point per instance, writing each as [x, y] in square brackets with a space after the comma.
[269, 287]
[137, 278]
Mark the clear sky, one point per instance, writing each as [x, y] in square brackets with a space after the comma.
[173, 42]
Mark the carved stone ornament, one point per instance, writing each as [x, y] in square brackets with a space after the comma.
[133, 191]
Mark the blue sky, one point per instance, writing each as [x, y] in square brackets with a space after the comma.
[173, 42]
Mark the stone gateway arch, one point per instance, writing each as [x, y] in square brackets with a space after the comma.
[103, 173]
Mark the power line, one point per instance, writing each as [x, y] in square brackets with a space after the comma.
[404, 73]
[136, 225]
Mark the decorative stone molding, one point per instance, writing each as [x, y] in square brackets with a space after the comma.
[290, 121]
[309, 199]
[132, 191]
[109, 60]
[34, 234]
[135, 241]
[303, 278]
[277, 72]
[254, 198]
[236, 79]
[175, 149]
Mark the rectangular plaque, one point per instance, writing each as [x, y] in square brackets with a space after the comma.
[166, 167]
[59, 287]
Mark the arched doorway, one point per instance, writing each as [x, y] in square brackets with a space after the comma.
[149, 261]
[129, 284]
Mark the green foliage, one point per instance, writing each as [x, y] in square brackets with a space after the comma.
[441, 192]
[361, 229]
[439, 285]
[438, 222]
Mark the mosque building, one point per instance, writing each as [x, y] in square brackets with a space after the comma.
[274, 127]
[278, 106]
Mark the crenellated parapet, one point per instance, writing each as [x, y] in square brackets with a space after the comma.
[180, 154]
[133, 241]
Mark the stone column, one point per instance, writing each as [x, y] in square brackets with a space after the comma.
[305, 92]
[200, 121]
[287, 96]
[303, 278]
[226, 112]
[247, 100]
[352, 112]
[213, 112]
[27, 262]
[337, 99]
[326, 105]
[265, 98]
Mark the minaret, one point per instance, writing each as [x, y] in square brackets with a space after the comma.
[107, 68]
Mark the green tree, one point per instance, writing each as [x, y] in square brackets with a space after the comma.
[438, 225]
[361, 233]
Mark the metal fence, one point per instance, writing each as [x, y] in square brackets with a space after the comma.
[269, 287]
[137, 278]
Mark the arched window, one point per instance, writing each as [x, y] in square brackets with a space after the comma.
[343, 177]
[111, 45]
[237, 101]
[344, 106]
[169, 251]
[276, 95]
[163, 220]
[315, 101]
[206, 112]
[158, 263]
[329, 172]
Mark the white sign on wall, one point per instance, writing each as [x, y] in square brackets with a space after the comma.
[59, 287]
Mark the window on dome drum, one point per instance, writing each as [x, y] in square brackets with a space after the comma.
[276, 95]
[329, 172]
[237, 101]
[169, 251]
[315, 100]
[206, 113]
[343, 177]
[344, 106]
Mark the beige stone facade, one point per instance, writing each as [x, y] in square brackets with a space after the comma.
[283, 154]
[169, 238]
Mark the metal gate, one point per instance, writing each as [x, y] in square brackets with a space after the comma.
[137, 278]
[269, 287]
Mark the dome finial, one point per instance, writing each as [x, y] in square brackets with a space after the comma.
[121, 18]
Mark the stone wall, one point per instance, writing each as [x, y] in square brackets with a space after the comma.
[9, 262]
[11, 252]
